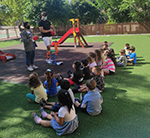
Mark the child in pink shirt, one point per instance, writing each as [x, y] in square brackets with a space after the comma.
[108, 66]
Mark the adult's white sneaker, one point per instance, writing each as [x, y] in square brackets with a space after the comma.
[30, 68]
[35, 67]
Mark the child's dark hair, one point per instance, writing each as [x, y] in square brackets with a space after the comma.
[34, 81]
[105, 45]
[64, 84]
[98, 69]
[132, 48]
[112, 57]
[91, 54]
[77, 65]
[101, 50]
[91, 84]
[64, 99]
[112, 51]
[127, 45]
[85, 62]
[122, 51]
[89, 59]
[49, 77]
[105, 42]
[98, 55]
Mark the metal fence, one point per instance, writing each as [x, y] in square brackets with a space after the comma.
[9, 32]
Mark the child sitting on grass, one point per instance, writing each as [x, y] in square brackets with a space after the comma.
[98, 58]
[122, 61]
[100, 84]
[108, 67]
[102, 54]
[92, 101]
[86, 69]
[91, 62]
[132, 59]
[65, 121]
[54, 106]
[77, 78]
[126, 46]
[37, 89]
[51, 83]
[128, 53]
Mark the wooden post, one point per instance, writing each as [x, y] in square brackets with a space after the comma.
[80, 41]
[7, 33]
[122, 28]
[130, 29]
[15, 31]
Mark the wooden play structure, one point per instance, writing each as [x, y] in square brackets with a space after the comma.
[75, 32]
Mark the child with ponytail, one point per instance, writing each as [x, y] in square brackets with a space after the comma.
[65, 121]
[51, 83]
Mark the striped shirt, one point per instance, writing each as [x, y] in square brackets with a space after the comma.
[110, 65]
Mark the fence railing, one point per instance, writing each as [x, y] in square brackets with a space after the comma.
[9, 32]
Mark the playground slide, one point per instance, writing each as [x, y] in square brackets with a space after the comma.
[66, 35]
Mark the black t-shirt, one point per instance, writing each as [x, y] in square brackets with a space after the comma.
[86, 72]
[78, 77]
[46, 26]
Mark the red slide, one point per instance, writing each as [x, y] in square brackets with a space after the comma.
[66, 35]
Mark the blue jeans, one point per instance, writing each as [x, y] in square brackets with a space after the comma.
[30, 57]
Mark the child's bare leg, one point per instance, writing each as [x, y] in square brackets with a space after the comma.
[45, 123]
[106, 71]
[77, 104]
[51, 103]
[49, 117]
[102, 72]
[48, 107]
[83, 89]
[38, 120]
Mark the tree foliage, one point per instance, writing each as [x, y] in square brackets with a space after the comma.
[87, 12]
[12, 10]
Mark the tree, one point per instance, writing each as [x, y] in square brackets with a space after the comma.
[139, 11]
[112, 9]
[12, 10]
[58, 12]
[86, 11]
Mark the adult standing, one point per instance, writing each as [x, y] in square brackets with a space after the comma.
[46, 28]
[29, 46]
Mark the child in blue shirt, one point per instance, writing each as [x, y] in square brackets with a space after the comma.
[50, 83]
[92, 101]
[133, 58]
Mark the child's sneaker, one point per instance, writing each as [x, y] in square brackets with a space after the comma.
[44, 101]
[48, 61]
[36, 118]
[43, 113]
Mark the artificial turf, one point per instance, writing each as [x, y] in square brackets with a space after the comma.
[126, 107]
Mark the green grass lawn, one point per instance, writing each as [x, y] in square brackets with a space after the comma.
[126, 107]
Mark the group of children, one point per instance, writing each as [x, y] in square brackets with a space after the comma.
[88, 77]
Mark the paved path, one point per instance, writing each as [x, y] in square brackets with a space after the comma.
[15, 70]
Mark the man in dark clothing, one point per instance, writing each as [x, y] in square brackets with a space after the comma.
[46, 28]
